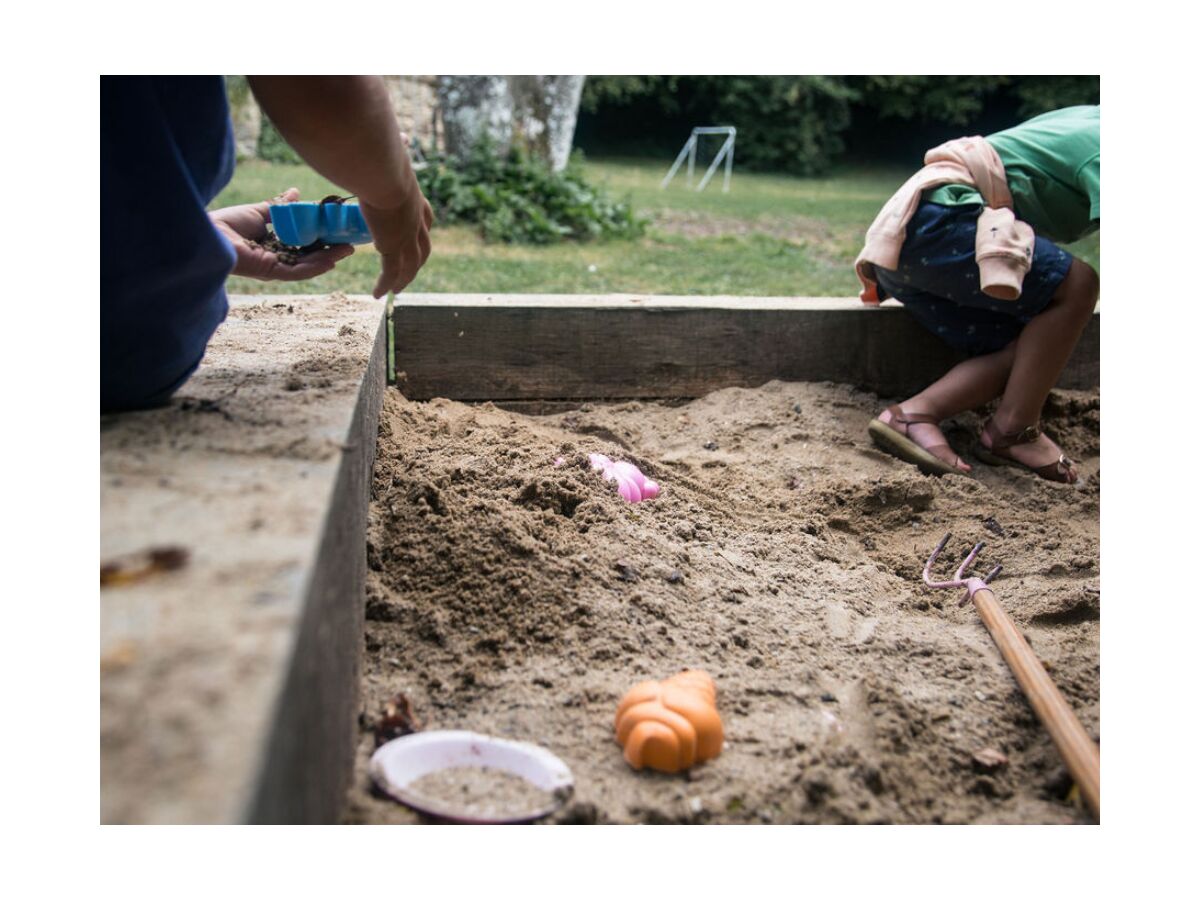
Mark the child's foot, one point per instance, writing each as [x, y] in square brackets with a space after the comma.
[923, 431]
[1029, 447]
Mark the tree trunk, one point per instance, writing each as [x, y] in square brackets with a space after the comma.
[535, 112]
[545, 109]
[475, 106]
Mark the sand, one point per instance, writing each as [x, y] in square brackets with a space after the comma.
[480, 792]
[783, 556]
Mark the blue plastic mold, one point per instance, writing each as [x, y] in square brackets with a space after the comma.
[300, 224]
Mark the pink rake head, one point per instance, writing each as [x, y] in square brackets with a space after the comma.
[970, 582]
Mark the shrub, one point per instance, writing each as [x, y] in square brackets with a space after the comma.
[949, 99]
[1042, 93]
[789, 123]
[272, 147]
[514, 198]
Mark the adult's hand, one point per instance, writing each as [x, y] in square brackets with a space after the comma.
[401, 235]
[247, 223]
[344, 126]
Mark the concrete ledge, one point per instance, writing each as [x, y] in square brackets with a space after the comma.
[228, 687]
[549, 347]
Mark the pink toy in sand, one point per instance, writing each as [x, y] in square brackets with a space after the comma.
[632, 485]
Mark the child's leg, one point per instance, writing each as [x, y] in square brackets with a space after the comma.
[1040, 353]
[938, 283]
[970, 384]
[1022, 374]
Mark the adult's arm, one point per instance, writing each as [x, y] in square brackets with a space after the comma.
[345, 128]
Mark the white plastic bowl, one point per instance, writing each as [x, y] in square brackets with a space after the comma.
[397, 764]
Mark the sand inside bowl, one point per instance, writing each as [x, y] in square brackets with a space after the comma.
[480, 792]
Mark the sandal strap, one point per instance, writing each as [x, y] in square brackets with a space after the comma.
[1059, 468]
[906, 419]
[944, 451]
[1002, 440]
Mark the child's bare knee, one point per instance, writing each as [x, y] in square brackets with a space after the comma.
[1081, 287]
[1090, 279]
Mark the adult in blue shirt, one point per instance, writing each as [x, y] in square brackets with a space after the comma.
[166, 150]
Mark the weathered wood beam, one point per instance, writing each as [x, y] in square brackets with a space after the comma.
[549, 347]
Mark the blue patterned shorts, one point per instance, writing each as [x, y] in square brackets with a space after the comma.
[938, 281]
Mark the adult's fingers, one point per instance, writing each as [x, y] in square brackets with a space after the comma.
[399, 269]
[417, 256]
[311, 264]
[426, 247]
[389, 274]
[291, 195]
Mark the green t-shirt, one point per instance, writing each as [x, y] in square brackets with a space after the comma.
[1052, 163]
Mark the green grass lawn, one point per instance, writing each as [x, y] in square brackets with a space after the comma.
[771, 235]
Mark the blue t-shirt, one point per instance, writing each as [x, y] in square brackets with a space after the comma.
[166, 150]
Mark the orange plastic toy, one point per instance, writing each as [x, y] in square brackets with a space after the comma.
[670, 725]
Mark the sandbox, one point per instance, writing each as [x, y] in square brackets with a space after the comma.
[500, 593]
[515, 597]
[783, 557]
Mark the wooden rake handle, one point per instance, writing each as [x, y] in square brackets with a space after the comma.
[1075, 745]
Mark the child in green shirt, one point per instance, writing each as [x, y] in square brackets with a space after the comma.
[1017, 348]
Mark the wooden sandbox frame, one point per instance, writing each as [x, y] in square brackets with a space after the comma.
[578, 347]
[541, 352]
[535, 353]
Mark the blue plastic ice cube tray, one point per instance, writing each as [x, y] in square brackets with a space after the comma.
[300, 224]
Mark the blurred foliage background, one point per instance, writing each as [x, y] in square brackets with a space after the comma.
[804, 124]
[816, 157]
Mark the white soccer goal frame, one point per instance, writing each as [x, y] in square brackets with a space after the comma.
[689, 152]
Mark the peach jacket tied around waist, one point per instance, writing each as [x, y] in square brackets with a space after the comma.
[1003, 244]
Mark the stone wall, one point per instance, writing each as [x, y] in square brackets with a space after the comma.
[415, 100]
[413, 96]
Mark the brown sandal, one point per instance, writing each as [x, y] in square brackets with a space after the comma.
[936, 460]
[1062, 471]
